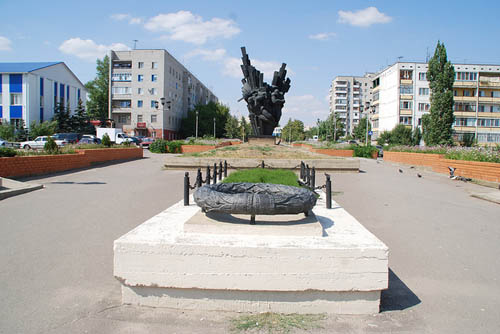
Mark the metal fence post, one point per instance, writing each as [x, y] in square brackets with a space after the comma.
[207, 180]
[308, 176]
[186, 189]
[225, 168]
[263, 165]
[328, 192]
[215, 173]
[313, 178]
[199, 178]
[302, 170]
[220, 170]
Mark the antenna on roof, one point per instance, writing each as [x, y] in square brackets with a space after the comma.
[399, 58]
[135, 43]
[427, 55]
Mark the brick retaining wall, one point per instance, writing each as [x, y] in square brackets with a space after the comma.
[488, 171]
[45, 164]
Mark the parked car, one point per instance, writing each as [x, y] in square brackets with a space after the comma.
[353, 142]
[86, 140]
[89, 136]
[147, 141]
[135, 141]
[3, 142]
[71, 138]
[39, 143]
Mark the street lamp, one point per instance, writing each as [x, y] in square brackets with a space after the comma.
[196, 124]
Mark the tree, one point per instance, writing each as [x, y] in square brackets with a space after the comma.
[401, 135]
[206, 115]
[61, 116]
[80, 120]
[293, 131]
[441, 75]
[98, 90]
[359, 130]
[7, 131]
[232, 128]
[46, 128]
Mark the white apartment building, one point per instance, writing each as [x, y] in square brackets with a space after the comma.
[150, 92]
[401, 95]
[30, 92]
[350, 96]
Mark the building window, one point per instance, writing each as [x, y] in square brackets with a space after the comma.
[121, 90]
[422, 76]
[121, 77]
[140, 77]
[140, 64]
[153, 91]
[495, 93]
[465, 122]
[423, 91]
[154, 78]
[122, 118]
[139, 103]
[153, 104]
[481, 93]
[406, 120]
[140, 91]
[464, 106]
[465, 76]
[405, 74]
[466, 92]
[16, 99]
[41, 100]
[153, 118]
[139, 118]
[423, 106]
[154, 65]
[405, 104]
[487, 123]
[406, 90]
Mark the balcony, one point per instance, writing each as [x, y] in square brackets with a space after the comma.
[465, 113]
[485, 99]
[405, 112]
[406, 97]
[492, 83]
[376, 89]
[406, 82]
[465, 98]
[487, 114]
[464, 84]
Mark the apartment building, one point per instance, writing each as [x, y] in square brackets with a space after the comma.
[30, 92]
[401, 95]
[150, 92]
[349, 97]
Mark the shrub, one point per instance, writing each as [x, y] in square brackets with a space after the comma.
[127, 143]
[174, 146]
[50, 146]
[158, 146]
[260, 175]
[106, 141]
[364, 151]
[7, 152]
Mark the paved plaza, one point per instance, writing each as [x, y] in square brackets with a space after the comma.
[56, 254]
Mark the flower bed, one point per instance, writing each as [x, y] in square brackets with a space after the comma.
[45, 164]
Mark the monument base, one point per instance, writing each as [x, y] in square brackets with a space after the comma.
[263, 140]
[326, 263]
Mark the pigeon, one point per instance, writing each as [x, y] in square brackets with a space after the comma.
[400, 170]
[412, 167]
[452, 172]
[419, 175]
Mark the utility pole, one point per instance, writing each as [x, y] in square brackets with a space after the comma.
[366, 140]
[135, 43]
[196, 124]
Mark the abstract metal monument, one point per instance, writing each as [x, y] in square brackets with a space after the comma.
[264, 101]
[254, 199]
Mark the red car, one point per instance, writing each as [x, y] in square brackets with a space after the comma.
[146, 142]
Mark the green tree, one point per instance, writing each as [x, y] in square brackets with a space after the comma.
[7, 131]
[206, 115]
[106, 141]
[384, 138]
[293, 131]
[80, 120]
[51, 146]
[46, 128]
[98, 90]
[232, 128]
[359, 130]
[62, 117]
[401, 135]
[245, 129]
[441, 75]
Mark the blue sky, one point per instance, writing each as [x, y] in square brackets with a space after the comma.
[317, 39]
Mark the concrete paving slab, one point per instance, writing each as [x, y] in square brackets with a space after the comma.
[9, 188]
[492, 196]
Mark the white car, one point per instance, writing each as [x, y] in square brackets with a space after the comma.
[39, 143]
[3, 142]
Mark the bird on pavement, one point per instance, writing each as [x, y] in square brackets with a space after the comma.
[419, 175]
[400, 170]
[412, 167]
[452, 171]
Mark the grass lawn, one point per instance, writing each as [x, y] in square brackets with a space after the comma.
[262, 175]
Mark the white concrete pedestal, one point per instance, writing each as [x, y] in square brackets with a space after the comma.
[329, 265]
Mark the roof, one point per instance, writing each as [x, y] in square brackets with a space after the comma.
[24, 67]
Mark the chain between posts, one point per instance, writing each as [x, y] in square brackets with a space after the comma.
[199, 179]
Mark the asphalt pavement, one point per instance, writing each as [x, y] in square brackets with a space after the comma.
[56, 251]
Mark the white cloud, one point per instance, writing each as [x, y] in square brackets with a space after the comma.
[323, 36]
[5, 44]
[130, 18]
[306, 108]
[187, 27]
[363, 17]
[209, 55]
[87, 49]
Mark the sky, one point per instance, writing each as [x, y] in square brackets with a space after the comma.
[318, 40]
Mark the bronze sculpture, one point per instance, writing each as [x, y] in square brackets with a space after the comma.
[264, 101]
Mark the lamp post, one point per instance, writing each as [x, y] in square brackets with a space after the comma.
[214, 127]
[163, 102]
[196, 124]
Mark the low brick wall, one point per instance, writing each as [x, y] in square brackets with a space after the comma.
[332, 152]
[45, 164]
[196, 148]
[487, 171]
